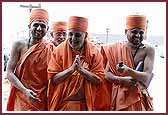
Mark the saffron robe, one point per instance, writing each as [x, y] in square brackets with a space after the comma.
[62, 59]
[31, 70]
[127, 98]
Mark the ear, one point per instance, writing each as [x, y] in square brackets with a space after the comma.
[51, 33]
[47, 28]
[126, 31]
[29, 26]
[86, 35]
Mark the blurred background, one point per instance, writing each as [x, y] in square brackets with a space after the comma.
[106, 25]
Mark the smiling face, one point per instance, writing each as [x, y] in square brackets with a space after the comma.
[76, 39]
[135, 36]
[59, 36]
[38, 29]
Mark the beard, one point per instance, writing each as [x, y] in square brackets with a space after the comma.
[76, 45]
[38, 35]
[136, 41]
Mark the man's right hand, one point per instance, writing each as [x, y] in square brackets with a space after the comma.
[32, 95]
[73, 67]
[75, 63]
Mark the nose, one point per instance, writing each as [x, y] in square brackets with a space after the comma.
[73, 38]
[137, 35]
[39, 27]
[61, 36]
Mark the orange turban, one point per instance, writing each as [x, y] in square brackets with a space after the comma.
[58, 26]
[79, 23]
[39, 14]
[136, 21]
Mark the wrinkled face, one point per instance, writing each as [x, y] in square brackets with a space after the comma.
[76, 39]
[59, 36]
[38, 29]
[135, 36]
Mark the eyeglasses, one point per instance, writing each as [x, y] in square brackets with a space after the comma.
[75, 34]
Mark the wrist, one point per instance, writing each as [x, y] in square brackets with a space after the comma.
[24, 90]
[81, 69]
[128, 70]
[71, 70]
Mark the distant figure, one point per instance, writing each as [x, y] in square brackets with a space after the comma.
[27, 67]
[6, 58]
[76, 72]
[129, 68]
[58, 32]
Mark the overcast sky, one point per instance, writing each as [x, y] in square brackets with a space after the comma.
[101, 15]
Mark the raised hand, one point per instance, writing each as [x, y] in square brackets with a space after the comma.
[77, 59]
[78, 62]
[74, 65]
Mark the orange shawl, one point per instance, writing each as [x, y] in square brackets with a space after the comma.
[121, 96]
[31, 69]
[61, 60]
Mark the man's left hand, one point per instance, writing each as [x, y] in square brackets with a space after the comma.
[123, 68]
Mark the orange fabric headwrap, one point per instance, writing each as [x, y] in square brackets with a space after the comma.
[39, 14]
[58, 26]
[136, 21]
[79, 23]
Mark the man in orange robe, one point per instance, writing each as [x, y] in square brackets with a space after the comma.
[127, 83]
[27, 67]
[58, 32]
[76, 74]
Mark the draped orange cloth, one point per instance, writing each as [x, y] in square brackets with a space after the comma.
[79, 23]
[59, 26]
[31, 70]
[96, 97]
[136, 21]
[128, 98]
[39, 14]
